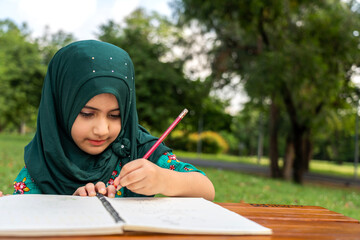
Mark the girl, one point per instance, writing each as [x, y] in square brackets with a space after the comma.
[88, 138]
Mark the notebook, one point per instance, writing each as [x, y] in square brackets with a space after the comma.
[47, 215]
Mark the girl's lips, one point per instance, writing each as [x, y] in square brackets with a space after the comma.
[96, 142]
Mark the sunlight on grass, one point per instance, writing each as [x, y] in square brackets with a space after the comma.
[316, 166]
[346, 169]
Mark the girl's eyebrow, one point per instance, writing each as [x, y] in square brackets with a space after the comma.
[96, 109]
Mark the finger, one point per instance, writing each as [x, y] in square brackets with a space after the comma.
[100, 187]
[1, 194]
[135, 187]
[128, 168]
[132, 177]
[111, 191]
[131, 166]
[117, 183]
[90, 189]
[81, 191]
[139, 191]
[144, 190]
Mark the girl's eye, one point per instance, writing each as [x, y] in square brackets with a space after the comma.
[116, 116]
[86, 115]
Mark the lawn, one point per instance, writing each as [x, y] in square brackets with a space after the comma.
[316, 166]
[230, 186]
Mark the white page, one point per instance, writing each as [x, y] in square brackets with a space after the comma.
[182, 215]
[53, 215]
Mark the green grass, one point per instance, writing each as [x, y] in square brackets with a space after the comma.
[316, 166]
[230, 186]
[238, 187]
[11, 159]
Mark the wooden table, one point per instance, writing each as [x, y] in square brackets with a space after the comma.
[286, 221]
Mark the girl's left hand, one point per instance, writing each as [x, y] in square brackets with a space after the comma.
[141, 176]
[90, 190]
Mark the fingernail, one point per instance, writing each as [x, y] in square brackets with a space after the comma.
[118, 187]
[102, 190]
[111, 195]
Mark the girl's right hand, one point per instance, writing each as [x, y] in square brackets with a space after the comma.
[90, 190]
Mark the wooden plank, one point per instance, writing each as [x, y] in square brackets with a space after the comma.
[288, 212]
[314, 230]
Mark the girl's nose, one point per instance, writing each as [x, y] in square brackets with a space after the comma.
[101, 127]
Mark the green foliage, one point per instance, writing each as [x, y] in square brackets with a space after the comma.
[23, 63]
[161, 87]
[21, 75]
[49, 43]
[297, 55]
[177, 140]
[232, 141]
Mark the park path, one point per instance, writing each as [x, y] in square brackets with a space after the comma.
[265, 171]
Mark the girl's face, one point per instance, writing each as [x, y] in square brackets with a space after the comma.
[98, 124]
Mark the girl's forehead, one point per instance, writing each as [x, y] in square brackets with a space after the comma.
[103, 101]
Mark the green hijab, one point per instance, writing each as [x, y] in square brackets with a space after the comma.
[76, 74]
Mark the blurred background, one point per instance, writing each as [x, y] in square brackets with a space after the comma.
[274, 81]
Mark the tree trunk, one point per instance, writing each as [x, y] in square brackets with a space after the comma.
[22, 128]
[301, 140]
[273, 151]
[260, 140]
[302, 152]
[307, 151]
[288, 159]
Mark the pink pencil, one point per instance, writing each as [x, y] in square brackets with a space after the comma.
[177, 120]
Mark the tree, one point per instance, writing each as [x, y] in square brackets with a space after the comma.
[294, 55]
[49, 43]
[23, 63]
[21, 77]
[162, 89]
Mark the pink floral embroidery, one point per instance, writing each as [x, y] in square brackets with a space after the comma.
[186, 169]
[171, 158]
[172, 167]
[114, 173]
[20, 187]
[111, 181]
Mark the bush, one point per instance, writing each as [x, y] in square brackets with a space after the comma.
[177, 140]
[211, 142]
[233, 142]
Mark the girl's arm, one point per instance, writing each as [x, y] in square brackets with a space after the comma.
[144, 177]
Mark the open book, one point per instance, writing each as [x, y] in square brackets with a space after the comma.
[45, 215]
